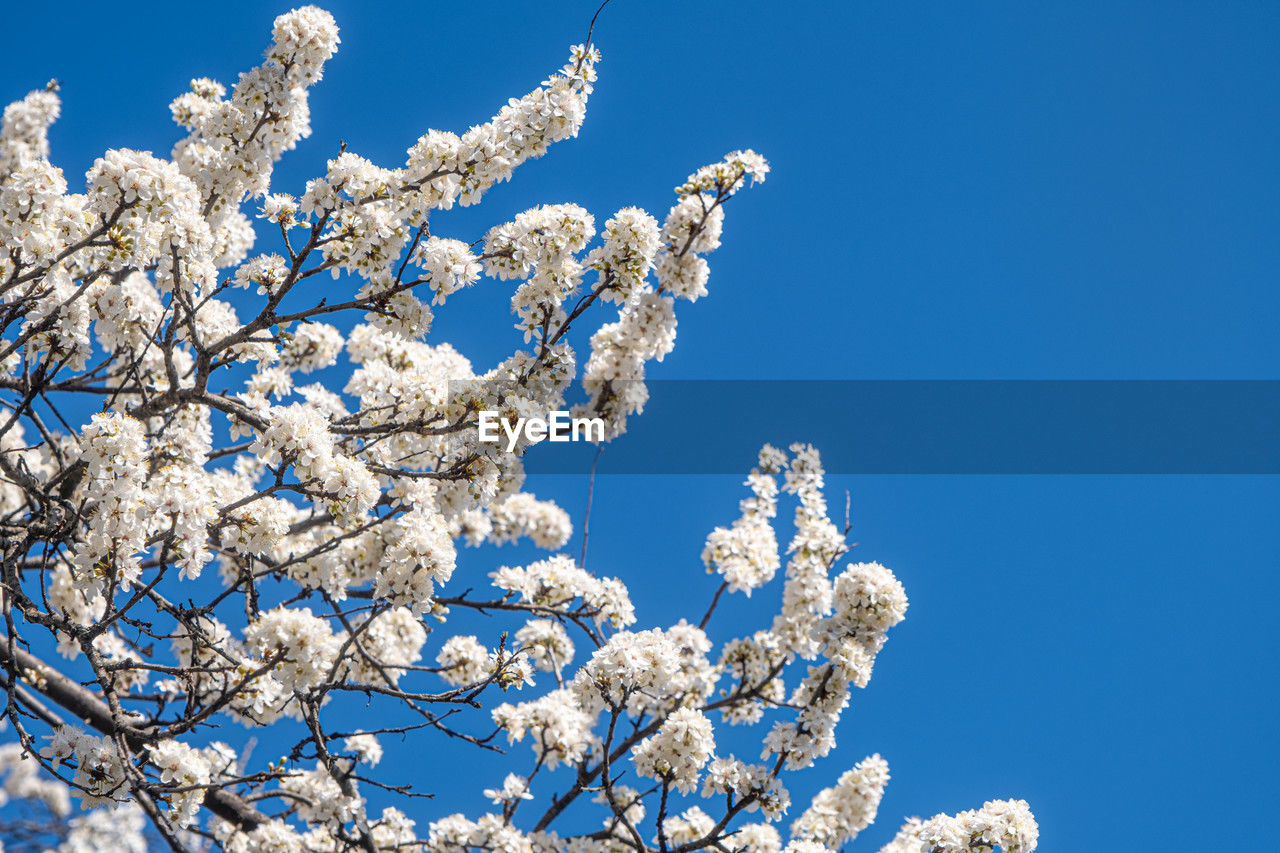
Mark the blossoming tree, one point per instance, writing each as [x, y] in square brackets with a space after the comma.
[157, 431]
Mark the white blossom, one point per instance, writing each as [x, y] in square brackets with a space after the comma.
[680, 749]
[839, 813]
[302, 647]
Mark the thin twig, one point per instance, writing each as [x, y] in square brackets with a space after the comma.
[586, 515]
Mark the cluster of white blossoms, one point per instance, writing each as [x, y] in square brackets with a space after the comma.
[1006, 825]
[682, 746]
[464, 660]
[115, 455]
[303, 646]
[752, 783]
[24, 130]
[129, 504]
[540, 250]
[514, 787]
[333, 508]
[560, 729]
[646, 326]
[300, 434]
[235, 141]
[417, 552]
[839, 813]
[558, 581]
[660, 687]
[626, 257]
[546, 644]
[523, 515]
[365, 747]
[120, 829]
[189, 771]
[746, 554]
[449, 264]
[322, 801]
[100, 775]
[389, 644]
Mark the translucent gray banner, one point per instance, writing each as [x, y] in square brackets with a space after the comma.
[943, 427]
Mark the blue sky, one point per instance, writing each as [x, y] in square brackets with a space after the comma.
[968, 191]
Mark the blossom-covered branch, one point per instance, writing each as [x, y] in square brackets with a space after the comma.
[204, 535]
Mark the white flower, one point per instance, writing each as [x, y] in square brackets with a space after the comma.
[839, 813]
[522, 514]
[449, 264]
[557, 581]
[303, 647]
[320, 799]
[463, 660]
[682, 746]
[514, 787]
[1007, 824]
[365, 747]
[186, 769]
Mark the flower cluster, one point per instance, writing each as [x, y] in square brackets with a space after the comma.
[746, 554]
[100, 772]
[117, 828]
[523, 515]
[839, 813]
[449, 264]
[299, 435]
[188, 770]
[680, 749]
[24, 129]
[1004, 824]
[417, 555]
[114, 454]
[557, 581]
[302, 647]
[321, 799]
[234, 141]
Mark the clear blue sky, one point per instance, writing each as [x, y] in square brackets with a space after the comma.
[978, 190]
